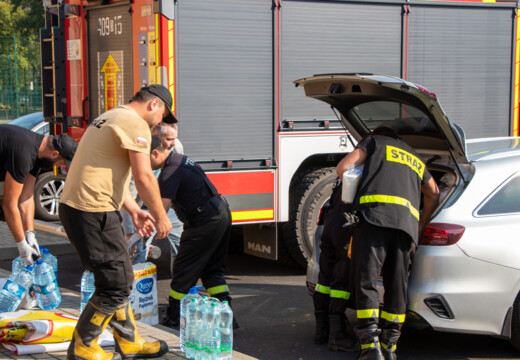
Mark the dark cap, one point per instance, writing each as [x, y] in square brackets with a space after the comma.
[164, 94]
[66, 146]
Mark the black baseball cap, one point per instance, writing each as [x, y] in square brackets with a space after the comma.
[164, 94]
[66, 146]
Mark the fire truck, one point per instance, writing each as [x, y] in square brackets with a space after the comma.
[230, 66]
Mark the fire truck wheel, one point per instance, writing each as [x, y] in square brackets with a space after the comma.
[515, 324]
[47, 192]
[307, 197]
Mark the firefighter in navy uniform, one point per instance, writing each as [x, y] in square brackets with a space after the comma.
[332, 292]
[205, 239]
[387, 203]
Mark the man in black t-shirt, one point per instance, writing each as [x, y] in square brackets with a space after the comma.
[205, 239]
[23, 154]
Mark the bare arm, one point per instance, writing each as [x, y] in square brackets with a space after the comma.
[26, 203]
[148, 190]
[13, 216]
[356, 157]
[430, 201]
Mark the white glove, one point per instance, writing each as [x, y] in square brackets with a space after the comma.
[31, 240]
[26, 252]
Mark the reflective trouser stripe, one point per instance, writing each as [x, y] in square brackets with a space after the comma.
[176, 295]
[393, 318]
[322, 289]
[339, 294]
[391, 348]
[389, 199]
[368, 313]
[349, 254]
[218, 290]
[368, 346]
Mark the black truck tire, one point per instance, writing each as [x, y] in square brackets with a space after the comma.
[47, 192]
[515, 324]
[308, 194]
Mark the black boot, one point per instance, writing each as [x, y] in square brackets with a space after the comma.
[389, 338]
[338, 338]
[172, 319]
[128, 343]
[227, 298]
[92, 322]
[369, 343]
[322, 326]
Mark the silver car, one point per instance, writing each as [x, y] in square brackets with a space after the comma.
[466, 272]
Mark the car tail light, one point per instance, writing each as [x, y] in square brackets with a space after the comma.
[440, 234]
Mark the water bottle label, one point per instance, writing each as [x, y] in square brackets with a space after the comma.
[14, 288]
[46, 289]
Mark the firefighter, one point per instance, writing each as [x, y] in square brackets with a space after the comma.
[23, 154]
[116, 142]
[333, 291]
[387, 203]
[205, 239]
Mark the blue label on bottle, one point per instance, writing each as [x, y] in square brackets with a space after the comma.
[14, 288]
[145, 286]
[46, 289]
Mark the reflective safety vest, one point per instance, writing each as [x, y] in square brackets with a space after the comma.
[389, 192]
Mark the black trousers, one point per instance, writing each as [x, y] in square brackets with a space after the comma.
[380, 251]
[100, 243]
[333, 293]
[203, 251]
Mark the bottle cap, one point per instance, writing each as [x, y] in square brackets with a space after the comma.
[195, 289]
[39, 261]
[28, 268]
[45, 251]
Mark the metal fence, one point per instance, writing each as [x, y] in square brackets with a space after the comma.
[20, 76]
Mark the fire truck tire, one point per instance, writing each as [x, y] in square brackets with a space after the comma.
[308, 195]
[515, 324]
[47, 192]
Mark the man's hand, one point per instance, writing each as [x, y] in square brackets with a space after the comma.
[26, 252]
[163, 226]
[31, 240]
[143, 222]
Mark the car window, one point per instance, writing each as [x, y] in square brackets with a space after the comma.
[504, 201]
[43, 130]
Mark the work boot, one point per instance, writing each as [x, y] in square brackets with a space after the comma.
[227, 298]
[92, 322]
[339, 340]
[389, 338]
[128, 343]
[172, 319]
[322, 326]
[369, 343]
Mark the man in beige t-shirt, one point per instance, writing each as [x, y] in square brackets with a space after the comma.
[116, 144]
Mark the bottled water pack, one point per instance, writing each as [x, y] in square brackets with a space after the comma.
[87, 288]
[15, 289]
[46, 286]
[192, 294]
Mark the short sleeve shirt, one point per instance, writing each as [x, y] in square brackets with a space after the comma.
[18, 152]
[99, 174]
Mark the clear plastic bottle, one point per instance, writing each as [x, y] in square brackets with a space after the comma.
[201, 326]
[46, 286]
[87, 289]
[50, 259]
[17, 265]
[192, 328]
[15, 289]
[212, 331]
[226, 331]
[192, 294]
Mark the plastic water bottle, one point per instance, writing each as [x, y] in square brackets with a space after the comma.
[51, 260]
[46, 286]
[226, 331]
[192, 328]
[200, 325]
[17, 265]
[15, 289]
[87, 289]
[211, 337]
[192, 294]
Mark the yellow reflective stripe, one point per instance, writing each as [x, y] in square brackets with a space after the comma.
[176, 295]
[368, 313]
[368, 346]
[393, 318]
[218, 289]
[391, 348]
[252, 215]
[339, 294]
[389, 199]
[322, 289]
[395, 154]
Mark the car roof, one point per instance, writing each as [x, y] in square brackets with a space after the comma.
[492, 148]
[28, 121]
